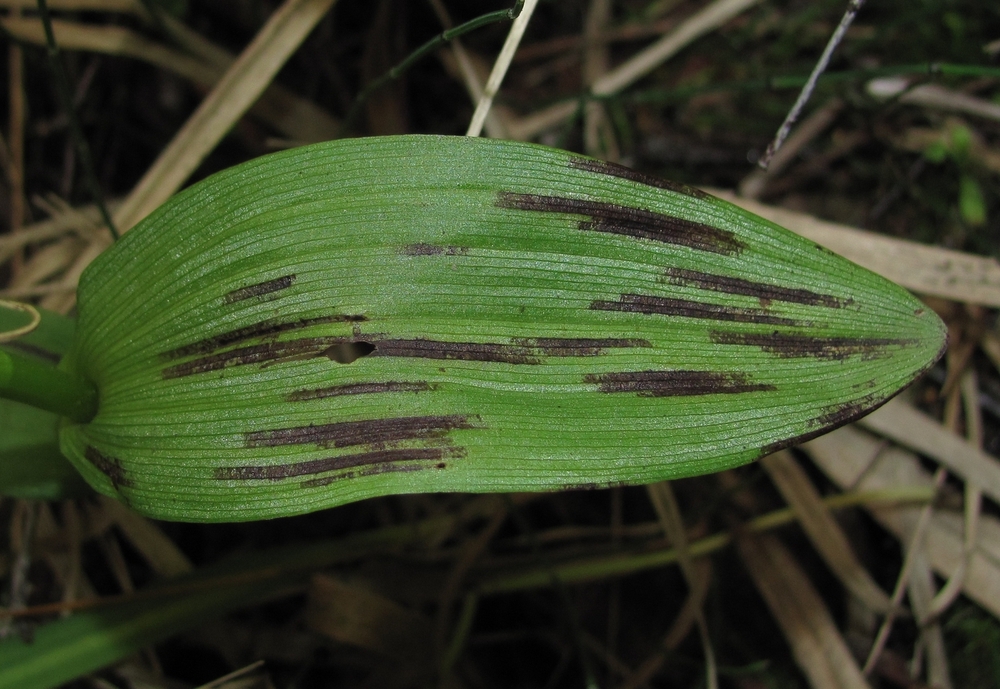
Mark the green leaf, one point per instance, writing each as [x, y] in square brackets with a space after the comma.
[414, 314]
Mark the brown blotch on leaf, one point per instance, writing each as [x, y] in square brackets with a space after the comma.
[374, 470]
[836, 415]
[831, 419]
[519, 351]
[421, 348]
[367, 432]
[109, 466]
[637, 223]
[686, 308]
[346, 350]
[792, 346]
[421, 249]
[266, 328]
[277, 472]
[602, 167]
[760, 290]
[579, 346]
[260, 289]
[358, 389]
[268, 352]
[679, 383]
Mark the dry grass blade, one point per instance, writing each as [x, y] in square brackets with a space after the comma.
[705, 21]
[913, 547]
[500, 67]
[110, 40]
[46, 230]
[911, 428]
[920, 594]
[292, 116]
[160, 552]
[823, 530]
[229, 681]
[668, 511]
[709, 19]
[819, 649]
[969, 390]
[235, 93]
[63, 297]
[855, 460]
[46, 262]
[352, 614]
[941, 98]
[461, 62]
[853, 7]
[925, 269]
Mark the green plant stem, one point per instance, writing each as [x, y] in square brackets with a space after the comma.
[66, 99]
[31, 381]
[431, 45]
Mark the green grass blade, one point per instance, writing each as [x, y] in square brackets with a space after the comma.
[417, 314]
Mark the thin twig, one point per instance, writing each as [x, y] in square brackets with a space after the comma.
[66, 98]
[19, 584]
[852, 10]
[915, 545]
[36, 318]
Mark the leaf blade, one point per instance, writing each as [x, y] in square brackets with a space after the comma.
[535, 320]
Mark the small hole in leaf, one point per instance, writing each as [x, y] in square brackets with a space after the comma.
[349, 352]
